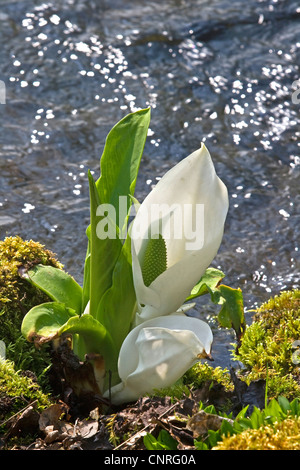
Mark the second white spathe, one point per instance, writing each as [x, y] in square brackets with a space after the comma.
[156, 353]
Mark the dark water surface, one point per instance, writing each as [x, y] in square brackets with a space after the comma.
[218, 71]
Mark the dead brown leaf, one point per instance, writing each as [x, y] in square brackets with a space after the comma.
[24, 423]
[201, 422]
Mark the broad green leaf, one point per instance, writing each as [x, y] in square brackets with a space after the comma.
[208, 284]
[117, 305]
[163, 442]
[150, 442]
[256, 418]
[274, 411]
[103, 254]
[231, 314]
[167, 440]
[95, 337]
[295, 407]
[119, 169]
[57, 284]
[226, 428]
[213, 437]
[121, 158]
[200, 445]
[43, 321]
[284, 404]
[242, 413]
[242, 424]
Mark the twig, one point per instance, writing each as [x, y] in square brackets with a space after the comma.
[18, 412]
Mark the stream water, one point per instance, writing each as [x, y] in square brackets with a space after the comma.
[220, 71]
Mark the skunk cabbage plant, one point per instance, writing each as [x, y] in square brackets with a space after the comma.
[139, 278]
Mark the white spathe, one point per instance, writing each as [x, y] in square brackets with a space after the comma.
[157, 353]
[187, 188]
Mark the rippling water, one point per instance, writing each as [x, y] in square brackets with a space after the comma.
[216, 71]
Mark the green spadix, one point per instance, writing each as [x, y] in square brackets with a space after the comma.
[155, 259]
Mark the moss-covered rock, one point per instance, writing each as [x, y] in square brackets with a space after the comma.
[268, 347]
[202, 373]
[18, 296]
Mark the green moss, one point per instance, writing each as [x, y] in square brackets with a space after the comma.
[17, 391]
[18, 296]
[279, 308]
[267, 346]
[284, 435]
[202, 373]
[196, 377]
[175, 392]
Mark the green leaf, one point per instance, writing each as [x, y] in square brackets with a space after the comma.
[43, 321]
[57, 284]
[117, 305]
[256, 418]
[120, 160]
[210, 409]
[284, 404]
[95, 337]
[231, 314]
[273, 411]
[213, 437]
[242, 424]
[200, 445]
[119, 169]
[208, 284]
[226, 428]
[295, 407]
[86, 273]
[163, 442]
[151, 443]
[103, 254]
[242, 413]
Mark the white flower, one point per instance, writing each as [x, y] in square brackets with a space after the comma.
[187, 210]
[157, 353]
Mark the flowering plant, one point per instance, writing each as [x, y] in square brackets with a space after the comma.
[139, 278]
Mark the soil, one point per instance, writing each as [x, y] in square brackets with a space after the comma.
[88, 422]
